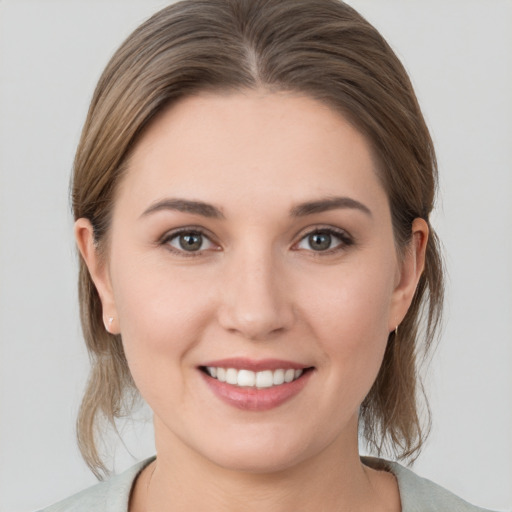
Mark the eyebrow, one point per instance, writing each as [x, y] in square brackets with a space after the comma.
[301, 210]
[329, 203]
[186, 206]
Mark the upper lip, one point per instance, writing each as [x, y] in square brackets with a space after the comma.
[242, 363]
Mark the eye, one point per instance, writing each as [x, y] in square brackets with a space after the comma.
[324, 240]
[189, 241]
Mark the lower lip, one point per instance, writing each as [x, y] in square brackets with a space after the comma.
[256, 399]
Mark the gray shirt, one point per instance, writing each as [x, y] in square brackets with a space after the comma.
[416, 494]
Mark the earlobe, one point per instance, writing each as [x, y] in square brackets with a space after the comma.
[98, 270]
[411, 268]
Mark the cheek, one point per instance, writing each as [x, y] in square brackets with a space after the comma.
[354, 301]
[349, 314]
[161, 315]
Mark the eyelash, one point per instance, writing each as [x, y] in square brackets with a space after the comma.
[168, 237]
[345, 240]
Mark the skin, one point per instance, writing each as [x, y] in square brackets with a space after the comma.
[257, 289]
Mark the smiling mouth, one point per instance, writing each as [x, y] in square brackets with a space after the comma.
[249, 379]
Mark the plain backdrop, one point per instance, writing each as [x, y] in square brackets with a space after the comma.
[459, 55]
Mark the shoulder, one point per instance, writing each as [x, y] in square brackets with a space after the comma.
[111, 495]
[420, 494]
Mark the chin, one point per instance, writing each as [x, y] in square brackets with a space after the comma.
[255, 462]
[260, 452]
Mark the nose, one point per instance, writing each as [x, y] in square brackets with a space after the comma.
[255, 301]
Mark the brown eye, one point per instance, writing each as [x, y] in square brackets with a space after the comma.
[325, 240]
[320, 241]
[189, 241]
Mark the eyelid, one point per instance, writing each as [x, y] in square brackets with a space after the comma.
[173, 233]
[346, 239]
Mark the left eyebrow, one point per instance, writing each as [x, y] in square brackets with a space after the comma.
[186, 206]
[329, 203]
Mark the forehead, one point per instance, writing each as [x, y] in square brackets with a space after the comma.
[251, 146]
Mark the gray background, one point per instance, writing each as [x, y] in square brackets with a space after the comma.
[52, 52]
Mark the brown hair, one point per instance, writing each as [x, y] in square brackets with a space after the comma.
[322, 48]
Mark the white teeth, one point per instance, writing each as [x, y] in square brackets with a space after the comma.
[278, 377]
[264, 379]
[231, 376]
[248, 378]
[289, 375]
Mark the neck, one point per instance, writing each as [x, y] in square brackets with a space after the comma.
[183, 481]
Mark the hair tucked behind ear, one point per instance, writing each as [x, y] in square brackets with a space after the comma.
[110, 392]
[390, 420]
[321, 48]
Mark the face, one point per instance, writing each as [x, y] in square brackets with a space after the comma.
[253, 275]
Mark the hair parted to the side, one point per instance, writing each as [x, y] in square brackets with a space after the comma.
[321, 48]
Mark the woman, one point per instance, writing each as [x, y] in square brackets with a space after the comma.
[252, 194]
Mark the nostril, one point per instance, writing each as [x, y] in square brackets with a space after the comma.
[253, 301]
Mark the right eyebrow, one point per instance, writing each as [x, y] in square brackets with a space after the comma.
[186, 206]
[329, 203]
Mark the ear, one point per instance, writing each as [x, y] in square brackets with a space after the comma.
[410, 270]
[99, 272]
